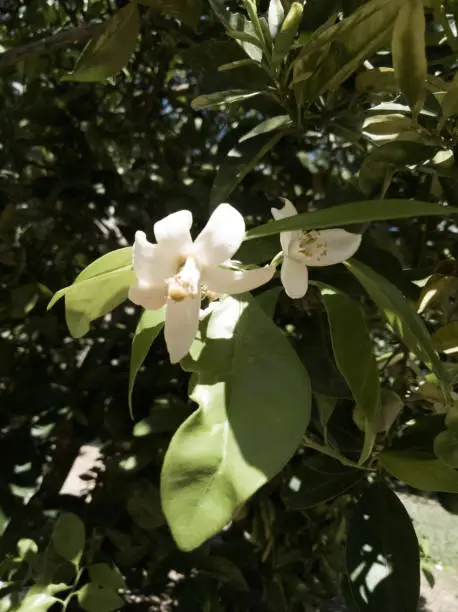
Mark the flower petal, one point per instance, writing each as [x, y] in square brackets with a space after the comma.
[222, 280]
[173, 232]
[221, 237]
[332, 247]
[288, 210]
[149, 296]
[152, 264]
[294, 277]
[181, 323]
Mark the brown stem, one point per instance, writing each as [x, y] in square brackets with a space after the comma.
[50, 44]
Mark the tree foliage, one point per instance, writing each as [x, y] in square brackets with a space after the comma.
[262, 473]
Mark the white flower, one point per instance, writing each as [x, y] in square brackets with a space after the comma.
[176, 270]
[314, 248]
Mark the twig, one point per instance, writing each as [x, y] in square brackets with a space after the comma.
[50, 44]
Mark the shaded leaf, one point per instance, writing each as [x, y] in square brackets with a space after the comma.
[103, 574]
[352, 346]
[383, 557]
[95, 598]
[419, 471]
[401, 317]
[317, 480]
[107, 55]
[218, 98]
[69, 537]
[148, 328]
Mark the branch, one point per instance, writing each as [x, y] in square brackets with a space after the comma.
[50, 44]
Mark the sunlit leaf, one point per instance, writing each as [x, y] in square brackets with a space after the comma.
[247, 425]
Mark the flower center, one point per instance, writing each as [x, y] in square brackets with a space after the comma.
[186, 283]
[309, 245]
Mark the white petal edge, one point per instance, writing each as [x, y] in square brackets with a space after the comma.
[148, 296]
[340, 246]
[221, 237]
[152, 264]
[294, 277]
[288, 210]
[181, 324]
[173, 232]
[232, 282]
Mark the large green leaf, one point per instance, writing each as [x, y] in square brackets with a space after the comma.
[148, 328]
[420, 471]
[69, 537]
[97, 290]
[445, 339]
[352, 346]
[402, 318]
[318, 479]
[383, 558]
[96, 598]
[355, 212]
[107, 55]
[254, 407]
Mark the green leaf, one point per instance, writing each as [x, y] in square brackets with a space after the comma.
[104, 575]
[287, 34]
[254, 407]
[383, 557]
[333, 54]
[446, 448]
[37, 599]
[218, 98]
[69, 537]
[148, 328]
[408, 50]
[401, 317]
[225, 571]
[352, 347]
[97, 290]
[445, 339]
[268, 300]
[318, 479]
[107, 55]
[269, 125]
[144, 505]
[355, 212]
[237, 165]
[450, 102]
[420, 471]
[95, 598]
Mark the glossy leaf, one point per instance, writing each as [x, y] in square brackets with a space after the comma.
[446, 448]
[97, 290]
[148, 328]
[218, 98]
[408, 49]
[95, 598]
[401, 317]
[355, 212]
[352, 346]
[246, 427]
[383, 557]
[445, 339]
[69, 537]
[38, 599]
[318, 479]
[107, 55]
[269, 125]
